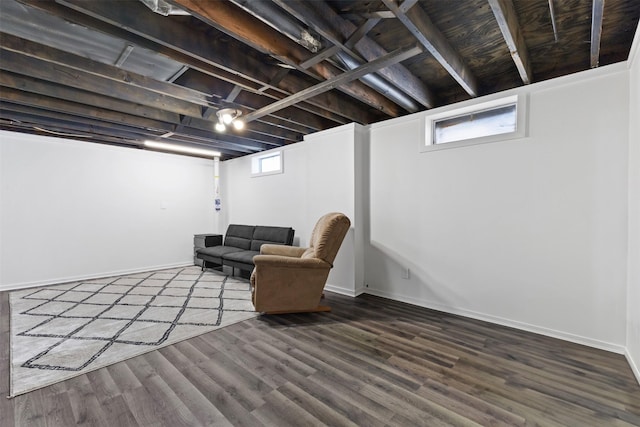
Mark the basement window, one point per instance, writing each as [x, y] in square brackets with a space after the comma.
[491, 121]
[267, 164]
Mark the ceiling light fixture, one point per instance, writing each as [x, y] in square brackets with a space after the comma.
[227, 116]
[181, 149]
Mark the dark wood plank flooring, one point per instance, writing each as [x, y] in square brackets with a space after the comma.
[370, 362]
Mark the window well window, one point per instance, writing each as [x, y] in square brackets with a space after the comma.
[491, 121]
[267, 164]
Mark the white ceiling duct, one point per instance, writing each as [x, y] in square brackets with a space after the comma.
[163, 8]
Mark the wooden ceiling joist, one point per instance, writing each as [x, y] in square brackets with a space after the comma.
[250, 30]
[420, 25]
[597, 15]
[384, 61]
[87, 69]
[225, 60]
[507, 20]
[353, 40]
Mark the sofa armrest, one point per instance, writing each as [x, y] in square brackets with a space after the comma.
[282, 250]
[289, 262]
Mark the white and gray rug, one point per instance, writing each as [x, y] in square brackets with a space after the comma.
[61, 331]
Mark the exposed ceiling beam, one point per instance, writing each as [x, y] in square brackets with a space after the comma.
[42, 87]
[83, 66]
[56, 56]
[34, 67]
[53, 106]
[46, 116]
[124, 112]
[384, 61]
[419, 24]
[224, 59]
[249, 29]
[322, 19]
[596, 31]
[507, 19]
[300, 120]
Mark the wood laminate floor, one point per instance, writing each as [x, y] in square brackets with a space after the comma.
[370, 362]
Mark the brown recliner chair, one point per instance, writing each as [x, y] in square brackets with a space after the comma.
[289, 279]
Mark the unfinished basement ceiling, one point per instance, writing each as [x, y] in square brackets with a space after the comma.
[118, 72]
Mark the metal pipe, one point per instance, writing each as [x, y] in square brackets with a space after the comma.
[379, 84]
[272, 15]
[275, 17]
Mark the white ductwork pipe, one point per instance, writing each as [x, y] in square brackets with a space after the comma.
[163, 8]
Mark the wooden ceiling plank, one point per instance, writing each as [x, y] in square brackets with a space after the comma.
[249, 29]
[323, 19]
[192, 48]
[73, 108]
[135, 17]
[124, 55]
[56, 56]
[92, 130]
[68, 129]
[507, 19]
[597, 15]
[48, 118]
[233, 94]
[384, 61]
[251, 101]
[420, 25]
[178, 73]
[40, 69]
[176, 36]
[124, 112]
[320, 56]
[361, 32]
[29, 84]
[103, 70]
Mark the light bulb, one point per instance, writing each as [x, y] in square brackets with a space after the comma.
[220, 127]
[238, 124]
[227, 118]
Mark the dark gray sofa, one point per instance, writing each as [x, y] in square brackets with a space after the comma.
[242, 243]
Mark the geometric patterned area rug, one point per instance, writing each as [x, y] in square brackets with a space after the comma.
[61, 331]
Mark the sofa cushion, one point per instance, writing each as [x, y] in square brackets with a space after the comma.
[237, 242]
[217, 251]
[237, 230]
[257, 244]
[244, 257]
[282, 235]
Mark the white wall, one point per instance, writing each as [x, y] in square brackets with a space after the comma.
[71, 209]
[530, 233]
[633, 296]
[318, 178]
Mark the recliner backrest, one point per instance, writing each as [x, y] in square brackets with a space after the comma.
[327, 236]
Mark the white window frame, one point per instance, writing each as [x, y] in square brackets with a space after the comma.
[519, 100]
[256, 163]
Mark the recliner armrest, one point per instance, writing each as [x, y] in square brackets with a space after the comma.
[289, 262]
[282, 250]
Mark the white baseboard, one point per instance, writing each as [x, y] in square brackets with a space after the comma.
[340, 290]
[602, 345]
[634, 367]
[24, 285]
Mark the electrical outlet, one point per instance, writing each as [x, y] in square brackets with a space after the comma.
[406, 273]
